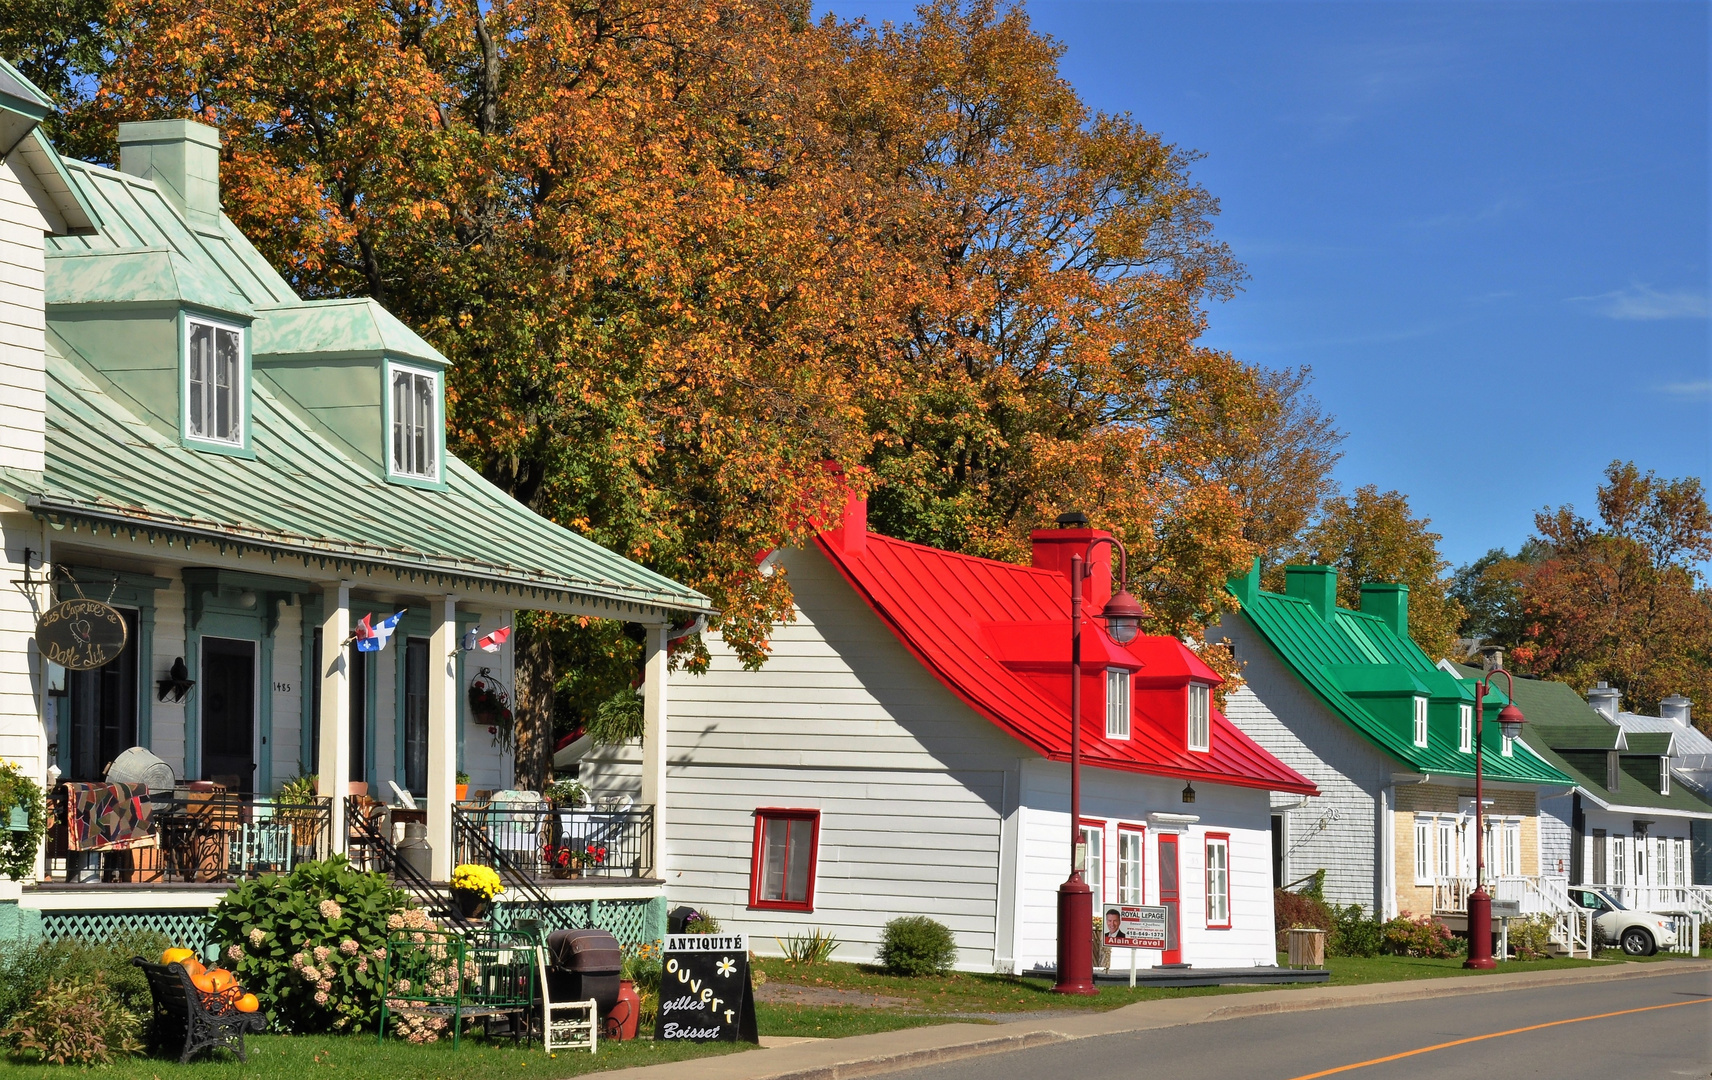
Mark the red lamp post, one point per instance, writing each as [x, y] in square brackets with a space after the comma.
[1122, 616]
[1510, 723]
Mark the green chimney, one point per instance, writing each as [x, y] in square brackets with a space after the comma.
[1390, 602]
[1315, 584]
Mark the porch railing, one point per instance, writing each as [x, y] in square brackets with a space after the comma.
[542, 842]
[198, 836]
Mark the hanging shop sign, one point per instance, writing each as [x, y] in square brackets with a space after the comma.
[705, 991]
[81, 634]
[1131, 926]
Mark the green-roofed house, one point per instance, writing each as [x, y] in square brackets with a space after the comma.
[244, 477]
[1626, 825]
[1350, 701]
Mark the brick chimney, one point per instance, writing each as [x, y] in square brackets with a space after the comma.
[1606, 700]
[1315, 584]
[182, 157]
[1054, 547]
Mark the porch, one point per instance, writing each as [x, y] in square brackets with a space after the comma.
[1526, 896]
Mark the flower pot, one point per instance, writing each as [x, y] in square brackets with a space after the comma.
[621, 1021]
[471, 904]
[463, 792]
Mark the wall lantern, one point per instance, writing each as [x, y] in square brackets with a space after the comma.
[1189, 792]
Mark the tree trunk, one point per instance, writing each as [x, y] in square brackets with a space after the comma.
[533, 758]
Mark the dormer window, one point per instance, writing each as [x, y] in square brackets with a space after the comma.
[1200, 717]
[215, 383]
[1465, 728]
[1117, 703]
[414, 405]
[1420, 721]
[1664, 776]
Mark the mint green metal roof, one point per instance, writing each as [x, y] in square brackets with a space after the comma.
[1350, 656]
[296, 495]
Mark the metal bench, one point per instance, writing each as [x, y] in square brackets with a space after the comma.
[183, 1021]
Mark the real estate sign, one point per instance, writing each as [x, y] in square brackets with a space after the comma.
[705, 991]
[1133, 926]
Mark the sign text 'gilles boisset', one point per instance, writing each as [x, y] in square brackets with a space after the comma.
[705, 992]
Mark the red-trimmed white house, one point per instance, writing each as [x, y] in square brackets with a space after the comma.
[904, 751]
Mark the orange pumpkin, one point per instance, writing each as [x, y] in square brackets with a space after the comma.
[193, 967]
[248, 1004]
[176, 956]
[203, 982]
[222, 979]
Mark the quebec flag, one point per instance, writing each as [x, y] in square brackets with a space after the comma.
[373, 637]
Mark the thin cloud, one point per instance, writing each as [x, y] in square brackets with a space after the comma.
[1689, 391]
[1643, 302]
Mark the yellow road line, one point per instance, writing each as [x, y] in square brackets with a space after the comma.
[1494, 1035]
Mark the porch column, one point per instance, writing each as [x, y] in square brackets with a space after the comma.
[654, 737]
[333, 758]
[442, 731]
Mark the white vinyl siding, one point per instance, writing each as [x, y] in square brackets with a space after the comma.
[1465, 728]
[1200, 717]
[214, 383]
[1117, 703]
[1420, 721]
[415, 424]
[1131, 845]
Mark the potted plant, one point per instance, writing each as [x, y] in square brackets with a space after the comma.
[463, 786]
[25, 817]
[563, 861]
[473, 887]
[567, 794]
[490, 705]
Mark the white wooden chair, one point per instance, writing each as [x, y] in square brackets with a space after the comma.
[565, 1025]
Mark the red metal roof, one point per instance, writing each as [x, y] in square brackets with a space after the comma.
[998, 636]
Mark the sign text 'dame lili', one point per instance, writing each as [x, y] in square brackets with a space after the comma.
[81, 635]
[705, 991]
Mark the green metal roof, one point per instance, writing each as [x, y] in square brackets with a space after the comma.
[296, 494]
[1349, 659]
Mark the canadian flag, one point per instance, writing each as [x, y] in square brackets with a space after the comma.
[492, 642]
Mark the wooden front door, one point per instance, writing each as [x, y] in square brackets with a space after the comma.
[227, 687]
[1168, 898]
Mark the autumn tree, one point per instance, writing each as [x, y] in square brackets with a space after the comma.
[1373, 536]
[1623, 600]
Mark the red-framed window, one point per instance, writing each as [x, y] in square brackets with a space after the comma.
[1132, 864]
[1218, 881]
[1094, 871]
[787, 847]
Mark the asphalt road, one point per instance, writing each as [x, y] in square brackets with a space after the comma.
[1671, 1038]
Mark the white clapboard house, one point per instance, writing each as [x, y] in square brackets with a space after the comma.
[904, 749]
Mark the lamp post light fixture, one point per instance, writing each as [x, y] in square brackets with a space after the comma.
[1479, 905]
[1122, 616]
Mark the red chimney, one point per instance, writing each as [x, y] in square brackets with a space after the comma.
[855, 524]
[1053, 548]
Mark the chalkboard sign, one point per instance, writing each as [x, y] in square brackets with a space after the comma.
[81, 635]
[705, 992]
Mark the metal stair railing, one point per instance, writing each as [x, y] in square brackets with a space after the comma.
[436, 901]
[471, 841]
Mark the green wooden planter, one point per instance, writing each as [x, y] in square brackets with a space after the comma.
[20, 820]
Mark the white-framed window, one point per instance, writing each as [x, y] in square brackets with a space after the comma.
[1218, 881]
[1507, 746]
[1131, 845]
[1640, 849]
[1661, 862]
[1094, 844]
[1117, 703]
[415, 415]
[1447, 848]
[1679, 863]
[1465, 728]
[1420, 721]
[1619, 861]
[1511, 849]
[1200, 716]
[1423, 850]
[1664, 776]
[215, 384]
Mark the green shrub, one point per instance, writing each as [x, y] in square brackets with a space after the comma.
[702, 924]
[310, 944]
[75, 1021]
[917, 945]
[814, 947]
[27, 968]
[1424, 936]
[1353, 933]
[1530, 938]
[1291, 911]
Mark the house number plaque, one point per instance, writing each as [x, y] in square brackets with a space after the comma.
[705, 991]
[81, 635]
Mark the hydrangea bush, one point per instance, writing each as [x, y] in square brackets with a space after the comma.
[310, 944]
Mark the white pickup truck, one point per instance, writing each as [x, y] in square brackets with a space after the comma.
[1638, 933]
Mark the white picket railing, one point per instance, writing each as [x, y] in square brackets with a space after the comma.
[1687, 934]
[1546, 894]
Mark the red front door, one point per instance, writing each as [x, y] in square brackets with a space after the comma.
[1168, 899]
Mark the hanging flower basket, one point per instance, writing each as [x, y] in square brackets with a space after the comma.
[490, 706]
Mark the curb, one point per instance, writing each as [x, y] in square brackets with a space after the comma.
[846, 1070]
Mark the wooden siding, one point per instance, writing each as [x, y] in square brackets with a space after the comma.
[23, 379]
[1337, 830]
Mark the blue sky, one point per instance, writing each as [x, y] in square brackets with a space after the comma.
[1485, 226]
